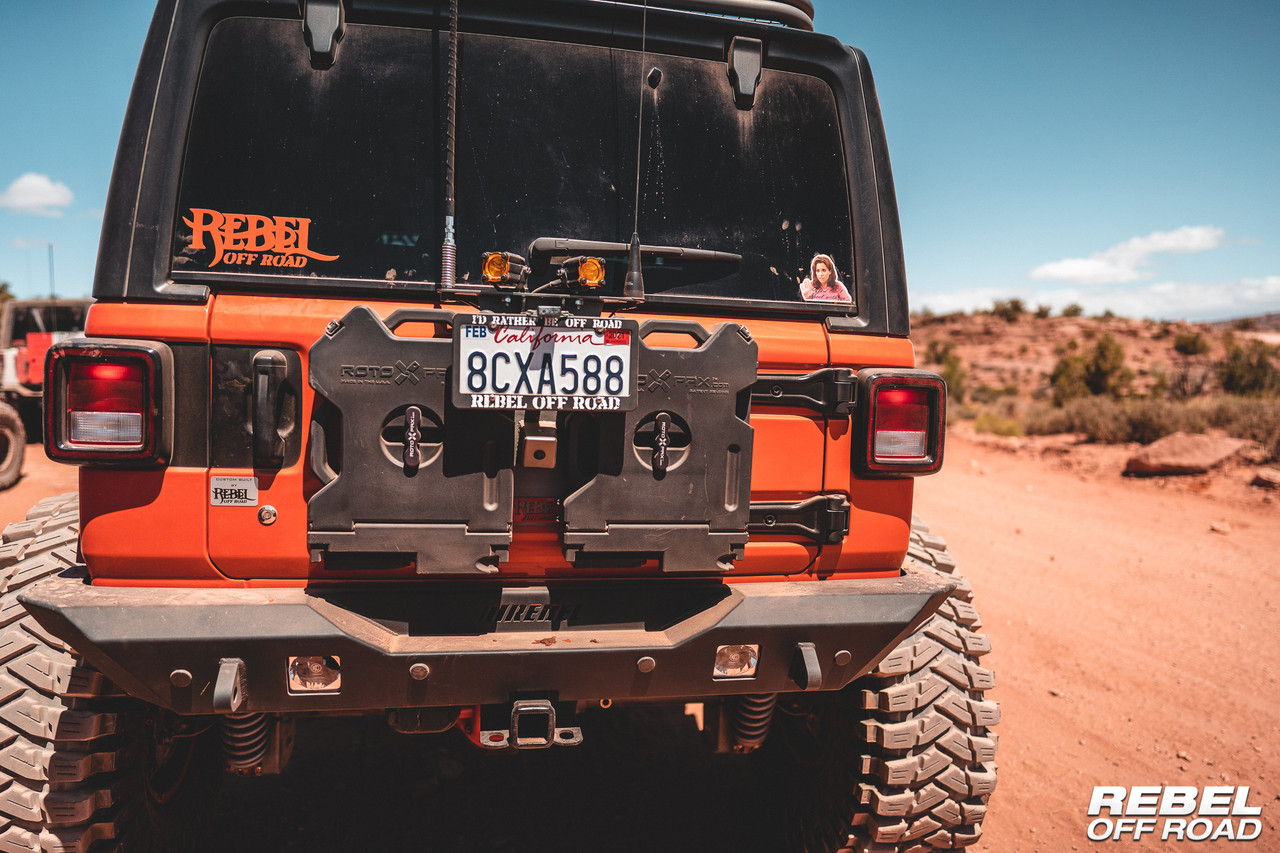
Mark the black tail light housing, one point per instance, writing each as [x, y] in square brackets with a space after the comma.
[108, 401]
[900, 422]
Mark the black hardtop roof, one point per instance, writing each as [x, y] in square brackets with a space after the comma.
[791, 13]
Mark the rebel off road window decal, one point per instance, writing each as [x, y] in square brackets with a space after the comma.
[322, 174]
[247, 240]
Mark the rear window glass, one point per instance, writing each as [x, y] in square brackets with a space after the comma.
[338, 174]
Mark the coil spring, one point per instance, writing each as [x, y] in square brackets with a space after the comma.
[244, 740]
[448, 263]
[749, 718]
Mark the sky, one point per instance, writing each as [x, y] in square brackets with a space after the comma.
[1121, 155]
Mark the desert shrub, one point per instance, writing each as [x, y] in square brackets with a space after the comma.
[1043, 312]
[1009, 310]
[1247, 370]
[1100, 420]
[1149, 420]
[1160, 385]
[1099, 372]
[1108, 421]
[937, 351]
[1245, 324]
[985, 393]
[988, 422]
[953, 372]
[1189, 380]
[1191, 343]
[1114, 421]
[1073, 310]
[1256, 419]
[1105, 371]
[1067, 380]
[1107, 315]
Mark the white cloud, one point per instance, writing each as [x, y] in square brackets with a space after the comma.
[37, 194]
[1161, 300]
[1131, 260]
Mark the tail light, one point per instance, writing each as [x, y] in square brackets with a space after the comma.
[902, 421]
[108, 401]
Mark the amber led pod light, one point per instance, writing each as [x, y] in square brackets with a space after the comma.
[497, 269]
[591, 272]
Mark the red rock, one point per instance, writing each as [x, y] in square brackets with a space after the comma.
[1183, 453]
[1267, 478]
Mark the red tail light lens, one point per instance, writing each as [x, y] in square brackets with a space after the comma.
[901, 416]
[104, 401]
[901, 427]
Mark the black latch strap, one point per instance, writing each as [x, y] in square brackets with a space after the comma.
[822, 518]
[829, 391]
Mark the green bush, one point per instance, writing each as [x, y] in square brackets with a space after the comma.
[1100, 372]
[937, 351]
[1114, 421]
[1257, 419]
[1105, 372]
[987, 422]
[953, 373]
[1043, 312]
[1247, 370]
[1073, 310]
[1009, 310]
[1191, 343]
[984, 393]
[1067, 379]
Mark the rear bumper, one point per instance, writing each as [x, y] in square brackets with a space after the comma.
[482, 644]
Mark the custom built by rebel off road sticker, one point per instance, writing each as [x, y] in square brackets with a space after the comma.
[252, 240]
[233, 491]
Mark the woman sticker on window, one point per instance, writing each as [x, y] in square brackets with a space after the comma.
[823, 283]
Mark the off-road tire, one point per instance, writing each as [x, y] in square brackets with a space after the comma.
[13, 444]
[80, 767]
[901, 761]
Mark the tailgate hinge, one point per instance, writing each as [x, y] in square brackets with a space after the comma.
[829, 391]
[822, 518]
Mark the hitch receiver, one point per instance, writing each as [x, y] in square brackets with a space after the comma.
[533, 726]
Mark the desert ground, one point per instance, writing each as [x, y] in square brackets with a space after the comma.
[1134, 629]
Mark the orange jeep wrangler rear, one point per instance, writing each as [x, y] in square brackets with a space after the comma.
[476, 366]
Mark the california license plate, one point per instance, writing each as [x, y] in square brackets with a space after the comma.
[517, 361]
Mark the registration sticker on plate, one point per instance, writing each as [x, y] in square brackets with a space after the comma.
[517, 361]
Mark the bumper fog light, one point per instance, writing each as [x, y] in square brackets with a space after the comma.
[736, 661]
[315, 674]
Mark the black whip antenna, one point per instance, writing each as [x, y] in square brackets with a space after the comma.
[633, 285]
[449, 250]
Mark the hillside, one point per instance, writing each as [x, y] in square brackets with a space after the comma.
[1000, 354]
[1113, 379]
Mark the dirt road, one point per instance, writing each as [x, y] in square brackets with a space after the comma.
[1133, 645]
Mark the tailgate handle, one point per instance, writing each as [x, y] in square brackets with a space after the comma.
[269, 372]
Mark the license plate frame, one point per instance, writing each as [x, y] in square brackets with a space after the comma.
[540, 351]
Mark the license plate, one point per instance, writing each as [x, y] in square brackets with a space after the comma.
[516, 361]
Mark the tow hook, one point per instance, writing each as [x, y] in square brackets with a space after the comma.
[533, 726]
